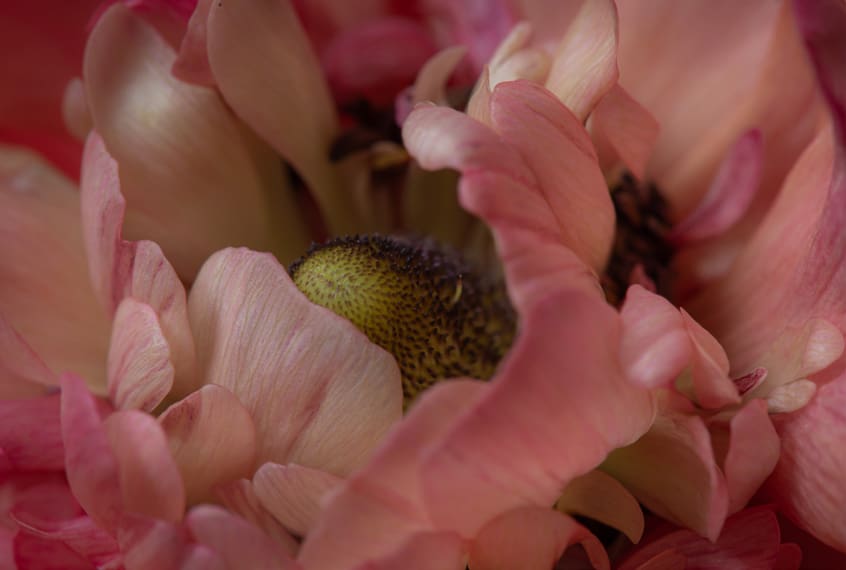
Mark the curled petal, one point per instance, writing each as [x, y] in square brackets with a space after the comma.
[258, 336]
[212, 439]
[293, 494]
[140, 372]
[196, 180]
[192, 61]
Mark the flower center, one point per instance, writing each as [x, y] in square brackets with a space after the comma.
[641, 249]
[420, 302]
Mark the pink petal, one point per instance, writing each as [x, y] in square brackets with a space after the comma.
[75, 109]
[81, 535]
[236, 541]
[23, 372]
[38, 497]
[424, 551]
[626, 128]
[709, 367]
[212, 439]
[672, 471]
[149, 479]
[431, 82]
[239, 498]
[45, 554]
[584, 66]
[192, 61]
[45, 293]
[92, 469]
[150, 543]
[293, 494]
[299, 123]
[199, 557]
[258, 336]
[602, 498]
[140, 372]
[31, 434]
[752, 453]
[730, 194]
[532, 537]
[200, 151]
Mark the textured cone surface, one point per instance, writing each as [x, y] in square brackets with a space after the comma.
[422, 304]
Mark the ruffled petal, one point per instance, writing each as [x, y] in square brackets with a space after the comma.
[268, 73]
[532, 537]
[212, 439]
[293, 494]
[140, 373]
[258, 336]
[45, 293]
[195, 179]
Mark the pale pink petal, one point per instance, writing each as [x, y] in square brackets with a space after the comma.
[532, 537]
[709, 367]
[790, 397]
[237, 542]
[258, 336]
[140, 373]
[195, 178]
[147, 543]
[268, 73]
[149, 479]
[424, 551]
[507, 450]
[239, 497]
[673, 472]
[31, 434]
[730, 193]
[75, 109]
[45, 293]
[600, 497]
[584, 66]
[192, 61]
[750, 539]
[121, 269]
[199, 557]
[626, 128]
[752, 454]
[22, 371]
[212, 439]
[655, 346]
[293, 493]
[92, 469]
[431, 82]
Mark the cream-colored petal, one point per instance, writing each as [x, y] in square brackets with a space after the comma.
[293, 493]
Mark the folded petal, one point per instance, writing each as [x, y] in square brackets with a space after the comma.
[320, 393]
[45, 293]
[196, 180]
[212, 439]
[121, 269]
[293, 494]
[192, 62]
[140, 373]
[267, 71]
[532, 537]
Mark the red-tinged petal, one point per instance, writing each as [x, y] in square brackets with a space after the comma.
[655, 346]
[192, 61]
[81, 535]
[624, 127]
[212, 439]
[584, 66]
[149, 479]
[268, 73]
[47, 40]
[753, 452]
[140, 373]
[666, 560]
[789, 557]
[121, 269]
[600, 497]
[532, 537]
[92, 469]
[750, 539]
[182, 153]
[424, 551]
[23, 372]
[147, 543]
[7, 547]
[46, 554]
[293, 494]
[237, 542]
[31, 434]
[673, 472]
[375, 60]
[319, 392]
[730, 193]
[514, 447]
[239, 497]
[381, 507]
[45, 293]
